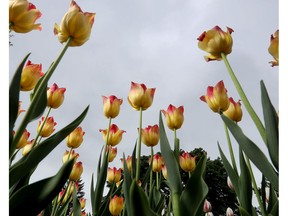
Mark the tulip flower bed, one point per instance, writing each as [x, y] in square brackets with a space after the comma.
[131, 192]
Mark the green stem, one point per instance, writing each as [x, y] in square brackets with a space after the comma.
[106, 154]
[255, 186]
[176, 204]
[244, 99]
[176, 145]
[139, 147]
[189, 174]
[169, 205]
[151, 171]
[42, 85]
[157, 181]
[230, 148]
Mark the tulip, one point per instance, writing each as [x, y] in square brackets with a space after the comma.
[115, 135]
[82, 202]
[229, 183]
[140, 96]
[113, 175]
[174, 116]
[234, 112]
[207, 207]
[216, 97]
[19, 108]
[128, 162]
[113, 153]
[150, 135]
[209, 214]
[274, 48]
[215, 42]
[187, 162]
[76, 172]
[55, 96]
[28, 147]
[69, 155]
[75, 25]
[111, 106]
[116, 205]
[48, 127]
[164, 171]
[229, 212]
[75, 138]
[157, 163]
[23, 140]
[31, 74]
[22, 16]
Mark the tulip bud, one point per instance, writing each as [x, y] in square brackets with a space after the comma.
[22, 16]
[234, 112]
[31, 74]
[140, 96]
[216, 97]
[174, 116]
[150, 135]
[28, 147]
[207, 207]
[229, 212]
[229, 183]
[164, 171]
[157, 163]
[48, 127]
[68, 155]
[115, 135]
[82, 202]
[209, 214]
[111, 106]
[215, 42]
[75, 25]
[55, 96]
[75, 138]
[187, 162]
[23, 140]
[113, 175]
[113, 153]
[116, 205]
[76, 171]
[128, 162]
[274, 48]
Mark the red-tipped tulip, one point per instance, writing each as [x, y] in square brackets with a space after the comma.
[234, 112]
[116, 205]
[31, 74]
[187, 162]
[55, 96]
[75, 138]
[174, 116]
[111, 106]
[150, 135]
[115, 135]
[48, 128]
[274, 48]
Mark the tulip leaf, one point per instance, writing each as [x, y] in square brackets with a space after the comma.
[273, 201]
[37, 154]
[126, 186]
[253, 152]
[244, 182]
[230, 171]
[92, 190]
[76, 204]
[33, 198]
[14, 90]
[139, 203]
[195, 192]
[170, 160]
[271, 126]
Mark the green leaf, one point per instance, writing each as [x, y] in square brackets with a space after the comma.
[253, 152]
[273, 201]
[195, 192]
[14, 90]
[33, 198]
[271, 126]
[230, 171]
[171, 163]
[244, 182]
[76, 204]
[139, 203]
[37, 154]
[126, 186]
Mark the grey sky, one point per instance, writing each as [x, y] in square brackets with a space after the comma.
[155, 43]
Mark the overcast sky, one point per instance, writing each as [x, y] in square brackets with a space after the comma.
[155, 43]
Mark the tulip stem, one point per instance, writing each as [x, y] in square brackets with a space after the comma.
[255, 186]
[246, 102]
[36, 96]
[176, 204]
[151, 171]
[105, 154]
[176, 145]
[139, 147]
[157, 180]
[230, 148]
